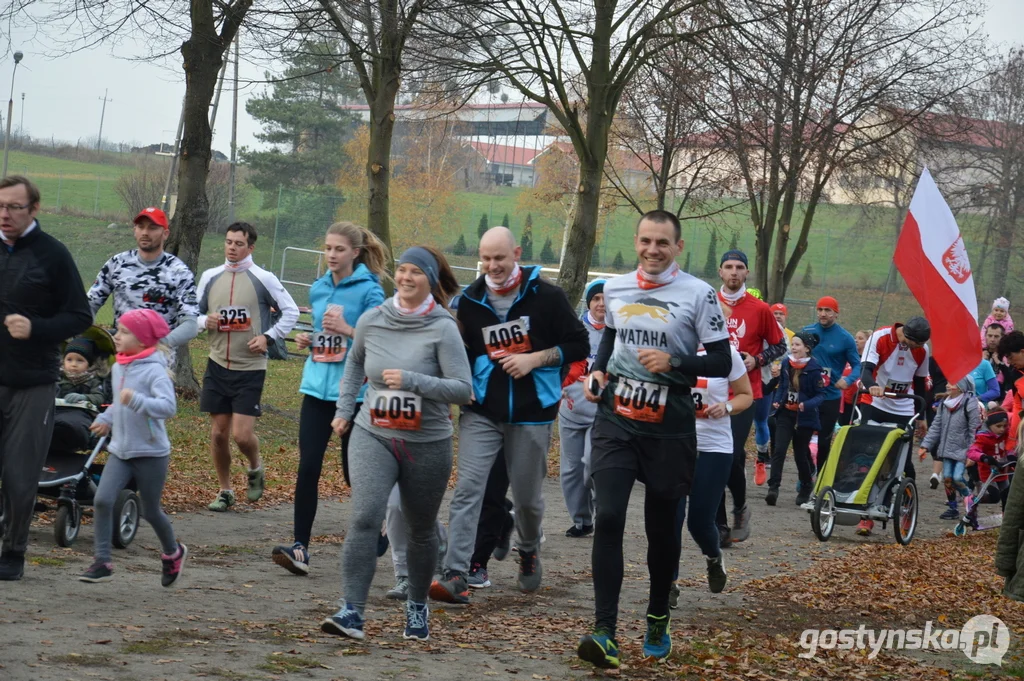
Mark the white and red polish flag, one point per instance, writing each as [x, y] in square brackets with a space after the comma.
[931, 256]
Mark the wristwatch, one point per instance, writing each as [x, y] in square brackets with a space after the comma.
[728, 408]
[674, 362]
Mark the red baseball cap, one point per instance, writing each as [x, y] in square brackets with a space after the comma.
[154, 214]
[779, 307]
[829, 302]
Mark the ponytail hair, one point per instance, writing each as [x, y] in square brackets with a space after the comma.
[372, 251]
[447, 285]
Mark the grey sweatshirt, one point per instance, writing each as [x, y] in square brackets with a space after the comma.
[137, 428]
[429, 352]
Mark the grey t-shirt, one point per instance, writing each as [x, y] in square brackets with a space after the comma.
[502, 304]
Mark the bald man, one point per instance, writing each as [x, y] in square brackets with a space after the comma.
[519, 330]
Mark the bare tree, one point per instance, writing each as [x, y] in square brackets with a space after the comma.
[801, 92]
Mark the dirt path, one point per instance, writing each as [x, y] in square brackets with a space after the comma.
[238, 616]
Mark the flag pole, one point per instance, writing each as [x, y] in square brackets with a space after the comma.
[885, 292]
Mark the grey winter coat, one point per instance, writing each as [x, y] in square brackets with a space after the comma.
[952, 432]
[137, 428]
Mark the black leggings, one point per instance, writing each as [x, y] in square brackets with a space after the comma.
[737, 484]
[495, 516]
[612, 487]
[828, 414]
[315, 432]
[787, 431]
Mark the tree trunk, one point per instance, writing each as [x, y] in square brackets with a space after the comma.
[378, 165]
[576, 261]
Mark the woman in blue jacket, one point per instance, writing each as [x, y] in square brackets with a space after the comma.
[356, 263]
[800, 392]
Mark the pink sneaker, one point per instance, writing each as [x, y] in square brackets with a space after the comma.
[173, 565]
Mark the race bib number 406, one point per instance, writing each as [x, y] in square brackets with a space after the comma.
[640, 400]
[396, 409]
[510, 338]
[329, 348]
[234, 319]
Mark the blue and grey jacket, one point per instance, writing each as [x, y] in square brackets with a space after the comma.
[551, 322]
[137, 428]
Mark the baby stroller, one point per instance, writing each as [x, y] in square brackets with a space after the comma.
[988, 493]
[865, 479]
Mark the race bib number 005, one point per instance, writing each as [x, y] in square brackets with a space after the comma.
[700, 398]
[640, 400]
[234, 319]
[510, 338]
[396, 409]
[329, 348]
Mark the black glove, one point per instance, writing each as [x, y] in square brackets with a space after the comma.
[1011, 458]
[989, 459]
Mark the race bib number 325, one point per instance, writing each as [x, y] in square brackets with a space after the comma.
[234, 319]
[396, 409]
[640, 400]
[510, 338]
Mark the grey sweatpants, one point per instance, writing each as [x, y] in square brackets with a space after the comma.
[526, 454]
[150, 473]
[421, 470]
[26, 426]
[398, 533]
[574, 441]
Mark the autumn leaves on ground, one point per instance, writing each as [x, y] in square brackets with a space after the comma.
[880, 585]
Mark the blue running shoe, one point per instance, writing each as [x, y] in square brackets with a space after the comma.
[599, 649]
[657, 642]
[416, 628]
[345, 622]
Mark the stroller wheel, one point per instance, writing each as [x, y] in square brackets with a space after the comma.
[904, 511]
[823, 517]
[126, 518]
[960, 529]
[67, 525]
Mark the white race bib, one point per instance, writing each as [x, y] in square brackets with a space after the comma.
[234, 318]
[396, 409]
[640, 400]
[329, 347]
[510, 338]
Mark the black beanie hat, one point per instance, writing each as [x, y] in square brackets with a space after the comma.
[996, 417]
[82, 346]
[809, 339]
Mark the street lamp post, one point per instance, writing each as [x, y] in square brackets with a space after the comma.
[10, 112]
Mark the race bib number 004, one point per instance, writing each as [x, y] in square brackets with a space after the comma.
[396, 409]
[640, 400]
[329, 348]
[234, 319]
[700, 398]
[510, 338]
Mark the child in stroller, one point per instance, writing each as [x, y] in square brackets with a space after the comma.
[82, 391]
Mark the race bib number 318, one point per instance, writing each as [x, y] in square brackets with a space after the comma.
[640, 400]
[510, 338]
[329, 348]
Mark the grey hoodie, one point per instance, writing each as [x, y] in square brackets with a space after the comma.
[137, 428]
[952, 432]
[430, 353]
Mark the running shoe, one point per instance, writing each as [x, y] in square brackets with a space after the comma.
[345, 622]
[577, 532]
[657, 641]
[950, 514]
[225, 500]
[477, 577]
[257, 482]
[772, 496]
[599, 649]
[529, 571]
[760, 473]
[451, 589]
[416, 627]
[724, 537]
[741, 524]
[865, 526]
[99, 572]
[505, 538]
[294, 558]
[174, 565]
[673, 596]
[934, 481]
[803, 496]
[400, 591]
[716, 574]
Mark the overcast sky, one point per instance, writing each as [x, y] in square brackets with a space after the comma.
[63, 96]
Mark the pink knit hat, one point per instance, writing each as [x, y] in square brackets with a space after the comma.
[146, 325]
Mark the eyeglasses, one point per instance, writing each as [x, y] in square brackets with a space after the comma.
[13, 207]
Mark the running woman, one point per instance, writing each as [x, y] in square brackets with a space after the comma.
[645, 427]
[755, 333]
[895, 361]
[519, 331]
[575, 420]
[356, 263]
[410, 352]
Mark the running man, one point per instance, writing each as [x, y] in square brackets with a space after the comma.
[645, 427]
[755, 333]
[836, 348]
[520, 330]
[149, 278]
[234, 305]
[895, 361]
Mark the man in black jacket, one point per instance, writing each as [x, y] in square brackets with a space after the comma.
[42, 303]
[519, 330]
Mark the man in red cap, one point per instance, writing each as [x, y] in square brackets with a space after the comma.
[149, 278]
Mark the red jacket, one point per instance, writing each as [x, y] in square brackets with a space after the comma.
[987, 443]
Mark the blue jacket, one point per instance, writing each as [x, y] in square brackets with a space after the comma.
[835, 349]
[357, 293]
[811, 393]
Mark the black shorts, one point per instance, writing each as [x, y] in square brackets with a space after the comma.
[231, 392]
[665, 465]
